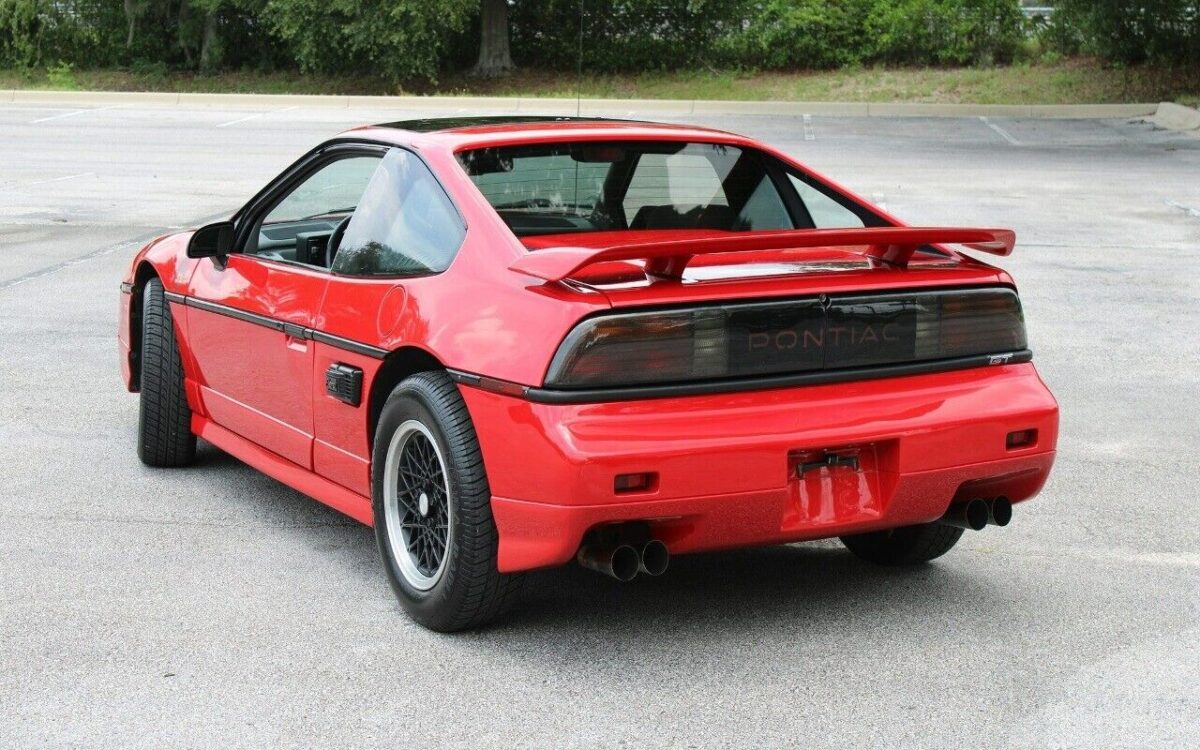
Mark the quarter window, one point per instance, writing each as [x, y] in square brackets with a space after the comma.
[404, 225]
[826, 213]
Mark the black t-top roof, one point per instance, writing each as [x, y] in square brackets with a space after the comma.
[436, 124]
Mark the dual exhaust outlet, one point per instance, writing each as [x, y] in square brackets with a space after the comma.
[625, 561]
[974, 515]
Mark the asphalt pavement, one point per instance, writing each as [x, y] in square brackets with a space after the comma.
[212, 607]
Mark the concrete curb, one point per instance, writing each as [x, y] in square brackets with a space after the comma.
[566, 106]
[1177, 117]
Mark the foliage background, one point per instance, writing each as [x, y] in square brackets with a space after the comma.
[407, 40]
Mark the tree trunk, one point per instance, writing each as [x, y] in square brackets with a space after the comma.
[131, 16]
[181, 27]
[208, 48]
[495, 58]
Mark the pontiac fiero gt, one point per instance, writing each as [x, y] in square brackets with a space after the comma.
[513, 343]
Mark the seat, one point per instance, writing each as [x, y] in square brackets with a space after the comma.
[669, 217]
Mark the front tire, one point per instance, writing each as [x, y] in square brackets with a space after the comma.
[432, 506]
[165, 436]
[908, 545]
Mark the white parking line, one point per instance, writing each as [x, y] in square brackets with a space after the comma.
[809, 135]
[46, 182]
[242, 119]
[1003, 133]
[1192, 212]
[247, 118]
[71, 114]
[59, 179]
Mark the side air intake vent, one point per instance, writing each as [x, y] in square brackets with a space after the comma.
[344, 383]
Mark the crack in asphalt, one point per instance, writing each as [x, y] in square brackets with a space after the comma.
[165, 522]
[137, 241]
[98, 253]
[1115, 557]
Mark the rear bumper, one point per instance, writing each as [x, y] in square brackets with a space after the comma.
[727, 465]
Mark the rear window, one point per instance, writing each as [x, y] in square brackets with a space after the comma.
[613, 186]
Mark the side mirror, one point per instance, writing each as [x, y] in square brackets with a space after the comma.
[212, 241]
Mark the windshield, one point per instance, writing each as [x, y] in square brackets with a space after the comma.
[594, 187]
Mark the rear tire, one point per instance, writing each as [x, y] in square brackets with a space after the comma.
[433, 509]
[908, 545]
[165, 436]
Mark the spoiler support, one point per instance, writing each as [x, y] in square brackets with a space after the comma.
[667, 259]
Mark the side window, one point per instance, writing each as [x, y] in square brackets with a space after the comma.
[404, 225]
[332, 189]
[315, 206]
[825, 211]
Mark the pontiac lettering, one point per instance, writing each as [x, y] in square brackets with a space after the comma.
[834, 336]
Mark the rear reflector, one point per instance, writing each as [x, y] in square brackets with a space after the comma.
[795, 336]
[643, 482]
[1021, 439]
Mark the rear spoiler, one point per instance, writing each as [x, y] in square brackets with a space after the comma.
[667, 258]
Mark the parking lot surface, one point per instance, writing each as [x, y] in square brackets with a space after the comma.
[213, 607]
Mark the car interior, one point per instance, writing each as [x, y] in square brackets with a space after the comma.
[563, 188]
[306, 223]
[566, 188]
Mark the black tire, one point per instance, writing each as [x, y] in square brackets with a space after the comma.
[908, 545]
[164, 420]
[467, 591]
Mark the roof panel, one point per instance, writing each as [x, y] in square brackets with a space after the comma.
[444, 124]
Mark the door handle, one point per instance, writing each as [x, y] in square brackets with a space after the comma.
[296, 336]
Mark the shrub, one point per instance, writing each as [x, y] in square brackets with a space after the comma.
[1130, 31]
[61, 76]
[945, 32]
[802, 34]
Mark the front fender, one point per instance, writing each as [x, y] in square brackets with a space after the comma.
[164, 257]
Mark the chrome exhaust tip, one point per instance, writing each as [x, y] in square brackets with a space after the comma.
[999, 511]
[655, 558]
[621, 562]
[972, 515]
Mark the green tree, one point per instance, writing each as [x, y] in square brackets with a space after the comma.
[495, 56]
[1131, 30]
[396, 39]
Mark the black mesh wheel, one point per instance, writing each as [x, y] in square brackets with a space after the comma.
[433, 508]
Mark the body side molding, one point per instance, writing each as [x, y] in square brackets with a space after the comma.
[292, 329]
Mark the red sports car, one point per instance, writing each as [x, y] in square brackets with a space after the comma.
[509, 343]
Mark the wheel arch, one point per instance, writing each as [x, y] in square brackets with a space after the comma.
[398, 365]
[142, 275]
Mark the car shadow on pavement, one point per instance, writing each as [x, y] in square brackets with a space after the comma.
[757, 588]
[716, 594]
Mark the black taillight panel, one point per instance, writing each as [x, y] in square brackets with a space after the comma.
[795, 336]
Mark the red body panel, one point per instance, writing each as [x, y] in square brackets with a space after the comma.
[725, 463]
[922, 438]
[254, 380]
